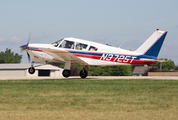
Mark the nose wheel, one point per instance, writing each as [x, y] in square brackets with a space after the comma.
[31, 70]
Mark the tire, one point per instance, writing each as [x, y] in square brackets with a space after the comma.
[83, 73]
[66, 73]
[31, 70]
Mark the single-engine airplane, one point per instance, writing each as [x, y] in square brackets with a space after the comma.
[86, 53]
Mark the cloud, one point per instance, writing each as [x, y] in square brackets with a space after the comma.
[16, 39]
[2, 39]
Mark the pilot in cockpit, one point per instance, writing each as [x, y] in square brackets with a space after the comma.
[69, 45]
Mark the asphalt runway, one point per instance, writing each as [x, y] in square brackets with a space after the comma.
[94, 78]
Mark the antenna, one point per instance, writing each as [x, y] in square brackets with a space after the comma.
[121, 44]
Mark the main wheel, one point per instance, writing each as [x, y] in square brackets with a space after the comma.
[66, 73]
[31, 70]
[83, 73]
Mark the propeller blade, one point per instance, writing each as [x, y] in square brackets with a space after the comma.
[28, 57]
[29, 38]
[25, 47]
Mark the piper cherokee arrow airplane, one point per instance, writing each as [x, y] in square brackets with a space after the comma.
[86, 53]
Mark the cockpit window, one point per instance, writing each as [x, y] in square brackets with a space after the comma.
[80, 46]
[55, 44]
[93, 48]
[67, 44]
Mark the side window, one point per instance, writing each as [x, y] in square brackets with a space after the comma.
[80, 46]
[93, 48]
[67, 44]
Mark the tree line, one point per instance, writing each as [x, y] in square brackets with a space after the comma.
[10, 57]
[165, 66]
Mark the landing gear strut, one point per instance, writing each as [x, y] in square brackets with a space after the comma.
[31, 70]
[66, 72]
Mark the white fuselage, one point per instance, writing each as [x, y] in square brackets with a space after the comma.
[92, 54]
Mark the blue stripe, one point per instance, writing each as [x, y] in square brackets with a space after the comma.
[114, 55]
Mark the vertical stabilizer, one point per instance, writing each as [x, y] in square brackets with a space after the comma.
[153, 44]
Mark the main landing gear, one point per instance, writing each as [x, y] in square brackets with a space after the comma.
[66, 72]
[83, 73]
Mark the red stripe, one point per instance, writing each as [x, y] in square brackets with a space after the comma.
[139, 62]
[88, 56]
[134, 62]
[35, 50]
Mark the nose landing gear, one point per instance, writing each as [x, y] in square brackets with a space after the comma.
[31, 70]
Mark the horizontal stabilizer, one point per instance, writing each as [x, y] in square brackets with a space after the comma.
[152, 60]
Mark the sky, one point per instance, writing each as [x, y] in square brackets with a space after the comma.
[103, 21]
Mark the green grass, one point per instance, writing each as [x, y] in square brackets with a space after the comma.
[88, 99]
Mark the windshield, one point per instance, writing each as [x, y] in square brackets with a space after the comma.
[57, 43]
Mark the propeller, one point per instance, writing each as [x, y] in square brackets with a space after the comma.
[25, 47]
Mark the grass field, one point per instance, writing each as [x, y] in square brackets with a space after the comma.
[88, 99]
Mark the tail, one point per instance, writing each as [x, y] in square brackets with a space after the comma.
[153, 44]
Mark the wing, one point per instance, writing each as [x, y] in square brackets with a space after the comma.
[62, 55]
